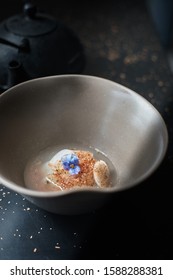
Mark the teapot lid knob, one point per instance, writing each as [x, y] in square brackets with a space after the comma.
[29, 9]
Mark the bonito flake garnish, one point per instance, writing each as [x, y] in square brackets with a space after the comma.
[77, 169]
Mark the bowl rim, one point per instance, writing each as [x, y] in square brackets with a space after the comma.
[49, 194]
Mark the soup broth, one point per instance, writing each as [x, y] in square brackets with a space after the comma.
[38, 168]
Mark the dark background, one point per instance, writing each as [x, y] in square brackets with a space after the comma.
[123, 42]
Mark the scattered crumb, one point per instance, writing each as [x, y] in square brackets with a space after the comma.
[57, 246]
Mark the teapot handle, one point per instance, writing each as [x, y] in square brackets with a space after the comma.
[23, 45]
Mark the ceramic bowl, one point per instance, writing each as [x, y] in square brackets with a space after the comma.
[78, 111]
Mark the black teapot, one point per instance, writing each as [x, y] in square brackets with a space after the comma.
[33, 44]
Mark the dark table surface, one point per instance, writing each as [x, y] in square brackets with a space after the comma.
[122, 45]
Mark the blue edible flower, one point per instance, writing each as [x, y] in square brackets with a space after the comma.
[70, 162]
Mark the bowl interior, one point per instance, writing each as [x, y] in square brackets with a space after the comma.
[80, 111]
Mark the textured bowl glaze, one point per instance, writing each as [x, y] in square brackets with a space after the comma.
[78, 110]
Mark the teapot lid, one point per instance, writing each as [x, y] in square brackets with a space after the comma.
[30, 23]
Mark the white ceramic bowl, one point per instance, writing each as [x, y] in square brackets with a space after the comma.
[70, 111]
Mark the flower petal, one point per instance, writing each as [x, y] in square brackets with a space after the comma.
[74, 160]
[70, 162]
[75, 170]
